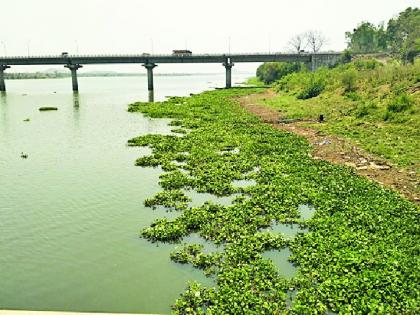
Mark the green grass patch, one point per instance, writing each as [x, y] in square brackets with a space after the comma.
[377, 107]
[254, 81]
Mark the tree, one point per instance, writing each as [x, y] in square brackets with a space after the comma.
[403, 34]
[315, 40]
[367, 38]
[298, 42]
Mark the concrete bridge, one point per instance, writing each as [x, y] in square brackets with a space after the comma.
[74, 62]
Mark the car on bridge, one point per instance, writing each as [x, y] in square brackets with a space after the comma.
[181, 52]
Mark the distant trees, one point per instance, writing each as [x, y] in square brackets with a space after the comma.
[400, 37]
[314, 40]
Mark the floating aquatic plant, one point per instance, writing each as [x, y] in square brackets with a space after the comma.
[360, 255]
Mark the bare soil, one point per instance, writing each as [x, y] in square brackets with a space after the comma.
[338, 150]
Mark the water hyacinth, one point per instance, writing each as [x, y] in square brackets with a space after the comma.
[360, 250]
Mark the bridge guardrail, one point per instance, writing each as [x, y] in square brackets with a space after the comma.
[166, 55]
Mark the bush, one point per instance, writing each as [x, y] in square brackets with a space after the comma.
[272, 71]
[367, 64]
[353, 96]
[345, 57]
[313, 88]
[349, 80]
[400, 103]
[364, 109]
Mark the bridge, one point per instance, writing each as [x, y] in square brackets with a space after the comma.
[75, 62]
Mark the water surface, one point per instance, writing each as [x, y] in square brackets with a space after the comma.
[70, 213]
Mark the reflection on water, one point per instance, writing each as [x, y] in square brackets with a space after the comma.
[151, 98]
[70, 214]
[76, 100]
[3, 108]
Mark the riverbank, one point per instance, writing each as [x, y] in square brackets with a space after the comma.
[334, 147]
[346, 253]
[374, 105]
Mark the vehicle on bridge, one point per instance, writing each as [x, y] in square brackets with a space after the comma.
[64, 54]
[181, 52]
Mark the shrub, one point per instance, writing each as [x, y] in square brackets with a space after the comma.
[349, 80]
[367, 64]
[353, 96]
[400, 103]
[345, 57]
[364, 109]
[313, 88]
[272, 71]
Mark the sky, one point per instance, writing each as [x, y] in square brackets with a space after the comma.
[45, 27]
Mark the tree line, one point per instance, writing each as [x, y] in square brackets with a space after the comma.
[399, 37]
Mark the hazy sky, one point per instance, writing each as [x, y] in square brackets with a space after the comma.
[131, 26]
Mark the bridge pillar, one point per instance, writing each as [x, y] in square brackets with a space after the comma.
[149, 66]
[314, 63]
[2, 84]
[228, 66]
[73, 69]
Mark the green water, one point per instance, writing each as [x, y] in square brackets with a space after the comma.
[70, 213]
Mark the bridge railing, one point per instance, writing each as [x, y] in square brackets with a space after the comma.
[143, 55]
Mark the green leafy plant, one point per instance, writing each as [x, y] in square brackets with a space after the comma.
[400, 103]
[313, 88]
[349, 80]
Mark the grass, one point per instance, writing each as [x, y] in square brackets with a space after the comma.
[377, 109]
[254, 81]
[360, 255]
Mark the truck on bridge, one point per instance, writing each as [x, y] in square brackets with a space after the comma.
[181, 52]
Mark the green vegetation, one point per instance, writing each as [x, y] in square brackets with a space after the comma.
[375, 105]
[313, 87]
[401, 37]
[360, 255]
[254, 81]
[269, 72]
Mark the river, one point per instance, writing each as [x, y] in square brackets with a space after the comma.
[70, 213]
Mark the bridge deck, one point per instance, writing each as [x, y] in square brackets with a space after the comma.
[141, 58]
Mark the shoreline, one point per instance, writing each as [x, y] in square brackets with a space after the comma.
[338, 150]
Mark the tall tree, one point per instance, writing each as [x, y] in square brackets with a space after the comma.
[403, 34]
[367, 38]
[315, 40]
